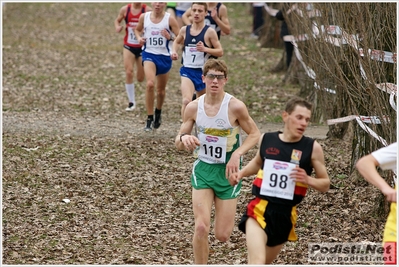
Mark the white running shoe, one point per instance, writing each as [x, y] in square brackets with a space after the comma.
[131, 107]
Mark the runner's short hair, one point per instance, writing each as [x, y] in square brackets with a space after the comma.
[297, 101]
[215, 64]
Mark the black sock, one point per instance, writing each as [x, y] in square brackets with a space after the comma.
[150, 117]
[158, 111]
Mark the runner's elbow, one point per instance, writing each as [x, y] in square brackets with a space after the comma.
[227, 31]
[325, 187]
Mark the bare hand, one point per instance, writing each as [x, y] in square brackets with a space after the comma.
[390, 194]
[234, 178]
[214, 13]
[174, 56]
[165, 33]
[233, 166]
[299, 175]
[200, 46]
[118, 28]
[142, 40]
[190, 142]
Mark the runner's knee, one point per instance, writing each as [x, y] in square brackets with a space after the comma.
[129, 74]
[201, 230]
[140, 78]
[223, 236]
[161, 91]
[150, 85]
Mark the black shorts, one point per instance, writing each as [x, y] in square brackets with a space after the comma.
[136, 51]
[278, 221]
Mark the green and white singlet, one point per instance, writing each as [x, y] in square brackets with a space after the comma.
[219, 139]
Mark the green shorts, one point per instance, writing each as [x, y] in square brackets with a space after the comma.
[213, 176]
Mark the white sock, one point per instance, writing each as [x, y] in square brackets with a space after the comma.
[130, 92]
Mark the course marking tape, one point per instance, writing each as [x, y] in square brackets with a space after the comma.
[365, 119]
[353, 41]
[371, 132]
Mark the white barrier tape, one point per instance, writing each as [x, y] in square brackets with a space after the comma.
[343, 119]
[374, 119]
[311, 13]
[380, 55]
[371, 132]
[331, 29]
[389, 88]
[336, 30]
[308, 70]
[290, 38]
[365, 119]
[331, 91]
[362, 72]
[346, 38]
[392, 101]
[361, 122]
[353, 41]
[301, 37]
[271, 11]
[386, 87]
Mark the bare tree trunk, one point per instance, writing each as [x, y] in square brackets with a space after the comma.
[281, 65]
[269, 37]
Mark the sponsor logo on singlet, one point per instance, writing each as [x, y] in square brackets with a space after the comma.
[213, 139]
[272, 151]
[280, 166]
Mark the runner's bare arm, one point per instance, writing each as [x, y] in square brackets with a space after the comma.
[367, 168]
[246, 123]
[239, 111]
[186, 17]
[178, 41]
[118, 20]
[214, 46]
[188, 141]
[250, 169]
[222, 20]
[174, 25]
[321, 182]
[139, 29]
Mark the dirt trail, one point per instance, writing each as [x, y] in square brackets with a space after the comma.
[88, 126]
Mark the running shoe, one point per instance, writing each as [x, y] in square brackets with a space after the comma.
[157, 121]
[148, 127]
[131, 107]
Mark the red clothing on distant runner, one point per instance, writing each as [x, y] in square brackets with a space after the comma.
[131, 22]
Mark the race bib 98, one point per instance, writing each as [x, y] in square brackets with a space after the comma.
[276, 179]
